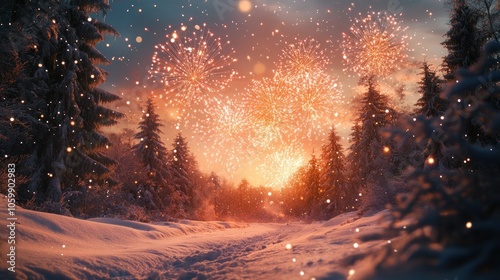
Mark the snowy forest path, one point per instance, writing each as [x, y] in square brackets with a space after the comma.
[51, 246]
[230, 254]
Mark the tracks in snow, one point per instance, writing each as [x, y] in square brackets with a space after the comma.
[228, 255]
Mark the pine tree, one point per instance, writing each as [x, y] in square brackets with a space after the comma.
[313, 189]
[371, 164]
[375, 113]
[451, 218]
[354, 178]
[463, 40]
[354, 149]
[184, 169]
[60, 86]
[430, 104]
[215, 181]
[150, 149]
[333, 172]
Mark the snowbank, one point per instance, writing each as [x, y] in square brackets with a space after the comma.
[49, 245]
[56, 247]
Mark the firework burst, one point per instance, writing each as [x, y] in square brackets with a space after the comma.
[192, 66]
[315, 102]
[226, 129]
[280, 165]
[268, 103]
[302, 57]
[374, 45]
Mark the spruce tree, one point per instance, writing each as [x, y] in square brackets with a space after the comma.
[55, 41]
[451, 222]
[150, 149]
[184, 169]
[430, 103]
[369, 151]
[354, 178]
[463, 40]
[432, 106]
[333, 172]
[313, 189]
[375, 113]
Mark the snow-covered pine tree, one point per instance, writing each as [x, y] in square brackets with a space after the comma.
[430, 104]
[183, 169]
[451, 219]
[354, 179]
[71, 152]
[56, 44]
[19, 101]
[153, 190]
[375, 113]
[370, 149]
[463, 40]
[313, 189]
[333, 176]
[150, 149]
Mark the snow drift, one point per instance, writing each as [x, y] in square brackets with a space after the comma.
[50, 246]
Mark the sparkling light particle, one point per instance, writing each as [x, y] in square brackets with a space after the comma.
[259, 68]
[245, 6]
[430, 160]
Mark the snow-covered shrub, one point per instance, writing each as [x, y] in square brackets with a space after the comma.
[449, 226]
[136, 213]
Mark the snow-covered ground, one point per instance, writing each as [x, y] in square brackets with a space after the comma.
[57, 247]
